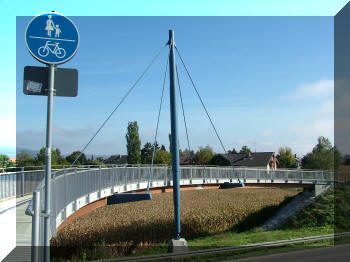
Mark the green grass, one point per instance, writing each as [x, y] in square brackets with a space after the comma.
[317, 219]
[342, 208]
[245, 253]
[257, 251]
[320, 213]
[255, 235]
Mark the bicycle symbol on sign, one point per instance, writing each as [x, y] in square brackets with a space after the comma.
[47, 48]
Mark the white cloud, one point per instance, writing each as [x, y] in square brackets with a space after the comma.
[304, 134]
[8, 130]
[8, 111]
[317, 90]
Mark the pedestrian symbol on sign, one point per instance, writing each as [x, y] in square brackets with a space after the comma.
[52, 38]
[58, 31]
[49, 25]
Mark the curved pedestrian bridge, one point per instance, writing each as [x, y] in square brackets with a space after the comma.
[75, 188]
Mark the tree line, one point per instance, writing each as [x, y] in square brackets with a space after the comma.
[323, 156]
[25, 158]
[137, 155]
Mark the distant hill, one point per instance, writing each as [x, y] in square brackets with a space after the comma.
[96, 156]
[33, 153]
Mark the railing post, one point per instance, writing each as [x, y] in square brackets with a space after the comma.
[302, 176]
[139, 173]
[271, 174]
[113, 178]
[35, 226]
[100, 180]
[166, 178]
[210, 176]
[65, 190]
[22, 181]
[125, 177]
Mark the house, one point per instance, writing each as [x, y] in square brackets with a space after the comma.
[298, 161]
[186, 159]
[117, 160]
[266, 160]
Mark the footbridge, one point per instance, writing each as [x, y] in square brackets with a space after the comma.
[74, 188]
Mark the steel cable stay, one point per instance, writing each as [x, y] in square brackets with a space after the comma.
[183, 113]
[157, 127]
[206, 111]
[119, 104]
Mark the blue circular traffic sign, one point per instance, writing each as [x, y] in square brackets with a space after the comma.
[52, 38]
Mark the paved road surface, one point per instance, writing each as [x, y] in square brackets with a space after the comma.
[23, 222]
[340, 253]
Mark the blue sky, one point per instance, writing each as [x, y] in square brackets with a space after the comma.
[264, 79]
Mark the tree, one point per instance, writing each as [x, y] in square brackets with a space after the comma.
[162, 148]
[24, 159]
[245, 150]
[133, 143]
[56, 158]
[95, 162]
[5, 161]
[146, 153]
[233, 151]
[156, 146]
[203, 155]
[81, 161]
[219, 160]
[323, 156]
[286, 158]
[162, 157]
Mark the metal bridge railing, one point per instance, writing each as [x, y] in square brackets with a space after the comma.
[20, 183]
[23, 182]
[73, 188]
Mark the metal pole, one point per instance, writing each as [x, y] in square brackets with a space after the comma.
[35, 226]
[48, 164]
[22, 181]
[174, 137]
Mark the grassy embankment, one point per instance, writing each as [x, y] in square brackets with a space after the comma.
[229, 224]
[132, 227]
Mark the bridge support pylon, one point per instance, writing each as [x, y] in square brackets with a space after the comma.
[177, 244]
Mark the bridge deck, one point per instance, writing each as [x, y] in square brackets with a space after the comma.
[16, 226]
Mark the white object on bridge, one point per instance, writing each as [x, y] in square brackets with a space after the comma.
[93, 197]
[7, 227]
[106, 192]
[81, 202]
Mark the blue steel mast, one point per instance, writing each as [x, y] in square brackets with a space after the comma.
[174, 136]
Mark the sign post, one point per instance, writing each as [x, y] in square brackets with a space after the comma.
[48, 163]
[52, 39]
